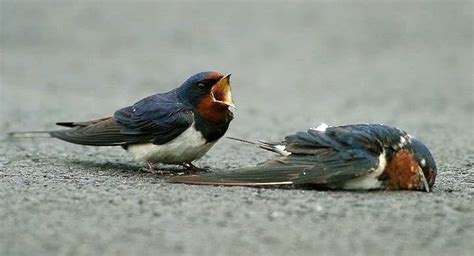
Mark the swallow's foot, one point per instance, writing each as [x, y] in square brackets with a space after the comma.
[194, 169]
[151, 168]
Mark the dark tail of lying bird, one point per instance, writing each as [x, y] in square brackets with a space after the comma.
[275, 147]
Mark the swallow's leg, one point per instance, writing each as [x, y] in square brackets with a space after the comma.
[150, 165]
[151, 168]
[192, 168]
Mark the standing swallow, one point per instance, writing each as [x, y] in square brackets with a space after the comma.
[352, 157]
[176, 127]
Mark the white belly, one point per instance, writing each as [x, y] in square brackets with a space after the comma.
[188, 146]
[369, 181]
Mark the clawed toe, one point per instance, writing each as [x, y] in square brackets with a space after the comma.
[194, 169]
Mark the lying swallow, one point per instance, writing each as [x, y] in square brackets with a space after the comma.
[352, 157]
[176, 127]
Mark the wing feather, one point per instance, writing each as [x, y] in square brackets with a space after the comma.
[326, 167]
[318, 158]
[155, 119]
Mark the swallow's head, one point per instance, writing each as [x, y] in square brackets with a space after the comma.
[212, 85]
[411, 168]
[426, 164]
[210, 94]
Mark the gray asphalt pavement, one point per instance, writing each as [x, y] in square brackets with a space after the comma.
[402, 63]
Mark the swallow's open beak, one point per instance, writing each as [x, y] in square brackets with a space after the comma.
[222, 92]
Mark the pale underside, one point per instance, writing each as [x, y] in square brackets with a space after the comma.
[370, 180]
[187, 147]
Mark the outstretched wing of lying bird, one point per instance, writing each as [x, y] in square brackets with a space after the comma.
[343, 157]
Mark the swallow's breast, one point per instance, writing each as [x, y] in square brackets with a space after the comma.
[188, 146]
[402, 172]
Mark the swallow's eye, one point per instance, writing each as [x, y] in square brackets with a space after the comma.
[201, 85]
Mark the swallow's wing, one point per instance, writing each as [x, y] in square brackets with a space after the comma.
[324, 168]
[156, 119]
[316, 158]
[338, 138]
[162, 117]
[102, 132]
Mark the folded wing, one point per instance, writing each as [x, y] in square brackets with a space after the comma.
[156, 119]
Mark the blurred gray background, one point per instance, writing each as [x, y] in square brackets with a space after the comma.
[294, 65]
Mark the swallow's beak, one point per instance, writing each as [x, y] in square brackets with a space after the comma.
[423, 179]
[222, 92]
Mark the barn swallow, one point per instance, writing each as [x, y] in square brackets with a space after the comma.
[351, 157]
[176, 127]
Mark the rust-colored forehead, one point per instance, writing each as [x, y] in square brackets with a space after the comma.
[214, 76]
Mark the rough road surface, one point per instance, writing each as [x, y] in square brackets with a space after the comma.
[402, 63]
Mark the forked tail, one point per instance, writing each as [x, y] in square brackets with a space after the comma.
[278, 148]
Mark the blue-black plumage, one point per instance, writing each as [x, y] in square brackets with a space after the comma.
[176, 127]
[353, 157]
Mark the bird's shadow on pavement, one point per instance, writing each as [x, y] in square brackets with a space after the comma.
[129, 169]
[166, 172]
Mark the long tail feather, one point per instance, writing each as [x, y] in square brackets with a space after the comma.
[30, 134]
[247, 176]
[273, 147]
[242, 140]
